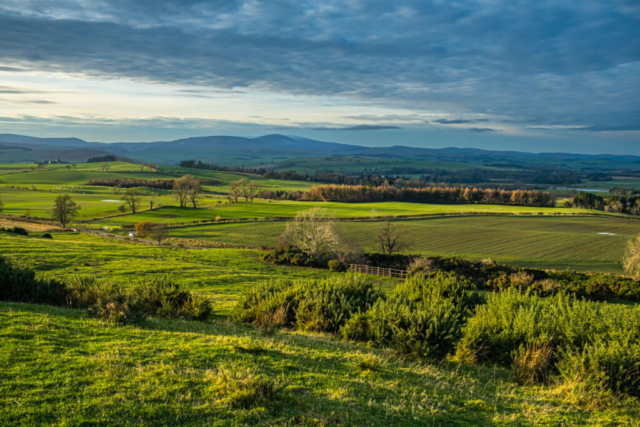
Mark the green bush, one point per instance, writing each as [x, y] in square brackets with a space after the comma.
[162, 297]
[19, 230]
[322, 306]
[119, 309]
[335, 265]
[592, 341]
[422, 330]
[47, 236]
[20, 284]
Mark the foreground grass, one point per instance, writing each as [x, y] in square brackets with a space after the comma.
[60, 367]
[587, 243]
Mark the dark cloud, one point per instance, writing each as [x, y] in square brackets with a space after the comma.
[357, 128]
[454, 121]
[520, 61]
[481, 130]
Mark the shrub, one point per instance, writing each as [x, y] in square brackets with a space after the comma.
[20, 284]
[310, 305]
[47, 236]
[143, 228]
[162, 297]
[270, 322]
[119, 309]
[612, 366]
[335, 265]
[19, 230]
[426, 331]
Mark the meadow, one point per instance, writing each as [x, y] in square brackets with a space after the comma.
[61, 368]
[222, 274]
[285, 208]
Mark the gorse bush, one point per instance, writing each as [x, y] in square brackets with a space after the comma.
[321, 306]
[592, 341]
[111, 301]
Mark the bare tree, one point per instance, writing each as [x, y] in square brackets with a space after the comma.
[236, 189]
[132, 198]
[312, 232]
[252, 190]
[184, 188]
[631, 259]
[152, 201]
[142, 165]
[105, 167]
[158, 232]
[64, 209]
[392, 238]
[117, 189]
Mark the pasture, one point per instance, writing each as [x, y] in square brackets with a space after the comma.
[285, 208]
[580, 243]
[222, 274]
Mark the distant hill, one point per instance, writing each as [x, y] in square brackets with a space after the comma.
[234, 149]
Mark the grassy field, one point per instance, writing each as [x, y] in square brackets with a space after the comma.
[61, 368]
[283, 208]
[587, 243]
[223, 274]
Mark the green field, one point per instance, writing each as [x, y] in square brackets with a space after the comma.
[61, 368]
[283, 208]
[223, 274]
[547, 242]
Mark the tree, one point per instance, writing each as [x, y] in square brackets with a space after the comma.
[142, 228]
[152, 201]
[105, 167]
[64, 209]
[631, 259]
[158, 232]
[194, 194]
[68, 167]
[312, 232]
[251, 190]
[236, 189]
[132, 198]
[142, 165]
[184, 188]
[392, 238]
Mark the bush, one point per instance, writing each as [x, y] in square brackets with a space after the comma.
[335, 265]
[119, 309]
[20, 284]
[593, 341]
[162, 297]
[426, 331]
[321, 306]
[19, 230]
[47, 236]
[244, 388]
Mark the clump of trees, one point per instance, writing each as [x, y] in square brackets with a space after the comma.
[244, 188]
[187, 190]
[64, 209]
[619, 200]
[99, 159]
[360, 193]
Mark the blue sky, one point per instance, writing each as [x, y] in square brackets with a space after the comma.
[507, 75]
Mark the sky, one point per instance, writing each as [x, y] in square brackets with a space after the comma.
[493, 74]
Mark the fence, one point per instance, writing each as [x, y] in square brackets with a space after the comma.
[378, 271]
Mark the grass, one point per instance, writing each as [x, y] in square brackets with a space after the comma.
[541, 242]
[222, 274]
[283, 208]
[61, 368]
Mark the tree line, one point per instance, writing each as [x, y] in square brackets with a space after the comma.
[619, 200]
[362, 193]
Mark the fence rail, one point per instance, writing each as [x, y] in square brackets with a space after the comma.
[378, 271]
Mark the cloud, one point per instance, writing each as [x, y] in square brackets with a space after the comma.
[453, 122]
[357, 128]
[544, 61]
[610, 128]
[482, 130]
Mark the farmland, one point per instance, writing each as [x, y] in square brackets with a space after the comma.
[588, 243]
